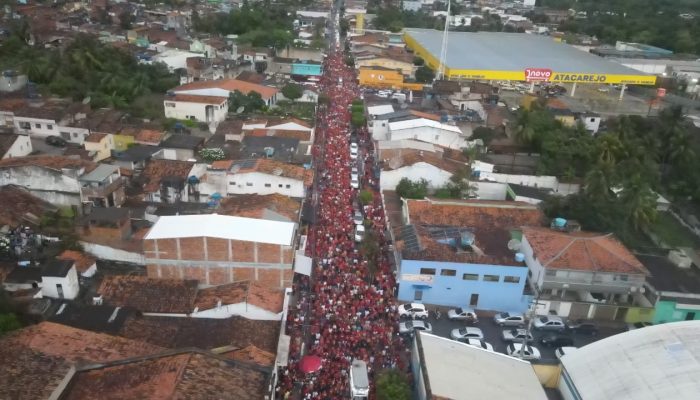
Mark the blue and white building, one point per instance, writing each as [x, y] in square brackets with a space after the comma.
[464, 253]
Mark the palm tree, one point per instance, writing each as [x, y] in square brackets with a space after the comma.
[639, 201]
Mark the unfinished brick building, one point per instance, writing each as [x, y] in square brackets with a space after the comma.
[218, 249]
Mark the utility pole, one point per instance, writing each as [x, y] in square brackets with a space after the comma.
[532, 312]
[443, 48]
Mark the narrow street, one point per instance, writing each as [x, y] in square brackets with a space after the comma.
[346, 310]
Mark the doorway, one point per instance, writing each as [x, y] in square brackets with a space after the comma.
[474, 300]
[59, 289]
[690, 316]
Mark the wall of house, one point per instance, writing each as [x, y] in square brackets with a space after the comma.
[455, 291]
[490, 190]
[435, 176]
[198, 111]
[102, 149]
[433, 135]
[380, 78]
[671, 311]
[259, 183]
[20, 148]
[379, 129]
[69, 284]
[248, 311]
[122, 142]
[49, 185]
[215, 261]
[591, 124]
[405, 68]
[113, 254]
[545, 182]
[178, 154]
[42, 128]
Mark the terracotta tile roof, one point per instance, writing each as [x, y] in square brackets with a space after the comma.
[288, 120]
[36, 359]
[248, 292]
[149, 136]
[222, 165]
[148, 294]
[413, 157]
[491, 222]
[193, 98]
[230, 127]
[421, 114]
[285, 133]
[587, 251]
[52, 162]
[176, 332]
[250, 76]
[83, 261]
[231, 85]
[95, 137]
[255, 205]
[156, 170]
[19, 206]
[174, 375]
[274, 167]
[253, 355]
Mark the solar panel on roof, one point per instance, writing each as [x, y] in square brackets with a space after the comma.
[410, 238]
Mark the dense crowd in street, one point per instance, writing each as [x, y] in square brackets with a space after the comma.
[346, 308]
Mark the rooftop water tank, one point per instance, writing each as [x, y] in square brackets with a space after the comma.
[519, 257]
[559, 222]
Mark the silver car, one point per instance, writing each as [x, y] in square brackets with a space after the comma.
[462, 314]
[466, 333]
[516, 335]
[509, 319]
[549, 324]
[414, 325]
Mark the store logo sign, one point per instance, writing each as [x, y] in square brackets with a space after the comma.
[537, 74]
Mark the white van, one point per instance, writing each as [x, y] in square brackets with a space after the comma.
[399, 96]
[359, 233]
[359, 381]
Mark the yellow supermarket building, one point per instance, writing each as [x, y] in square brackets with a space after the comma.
[522, 57]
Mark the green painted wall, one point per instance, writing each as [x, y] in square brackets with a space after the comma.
[666, 311]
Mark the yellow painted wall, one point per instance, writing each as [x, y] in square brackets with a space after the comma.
[567, 120]
[548, 374]
[360, 23]
[639, 314]
[103, 148]
[406, 68]
[121, 142]
[557, 77]
[380, 78]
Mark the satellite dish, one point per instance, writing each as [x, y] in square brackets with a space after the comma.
[86, 100]
[514, 244]
[240, 109]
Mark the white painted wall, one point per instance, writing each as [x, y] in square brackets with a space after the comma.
[546, 182]
[490, 190]
[178, 154]
[110, 253]
[69, 284]
[537, 270]
[591, 123]
[379, 129]
[45, 127]
[438, 136]
[20, 148]
[435, 176]
[241, 309]
[198, 111]
[52, 186]
[239, 184]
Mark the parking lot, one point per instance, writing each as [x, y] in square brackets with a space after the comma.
[492, 334]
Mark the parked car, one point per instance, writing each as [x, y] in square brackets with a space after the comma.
[557, 340]
[524, 351]
[585, 327]
[467, 333]
[413, 310]
[359, 233]
[509, 319]
[462, 314]
[354, 181]
[357, 218]
[516, 335]
[478, 343]
[638, 325]
[412, 326]
[56, 141]
[562, 351]
[549, 324]
[353, 150]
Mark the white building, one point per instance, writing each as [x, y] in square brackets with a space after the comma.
[15, 146]
[174, 58]
[655, 362]
[591, 122]
[427, 130]
[197, 108]
[447, 369]
[40, 122]
[224, 87]
[59, 280]
[267, 176]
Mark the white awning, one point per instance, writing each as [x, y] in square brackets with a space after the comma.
[302, 264]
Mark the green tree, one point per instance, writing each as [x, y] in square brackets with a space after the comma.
[409, 189]
[292, 91]
[366, 197]
[8, 323]
[424, 74]
[392, 385]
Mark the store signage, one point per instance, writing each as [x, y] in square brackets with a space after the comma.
[537, 74]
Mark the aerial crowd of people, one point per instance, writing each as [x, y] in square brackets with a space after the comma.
[346, 310]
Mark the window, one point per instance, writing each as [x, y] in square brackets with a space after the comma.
[418, 295]
[249, 183]
[37, 126]
[288, 186]
[491, 278]
[623, 278]
[171, 105]
[427, 271]
[49, 127]
[511, 279]
[232, 183]
[25, 125]
[550, 272]
[470, 277]
[279, 186]
[448, 272]
[268, 185]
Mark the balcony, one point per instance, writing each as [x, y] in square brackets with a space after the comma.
[593, 283]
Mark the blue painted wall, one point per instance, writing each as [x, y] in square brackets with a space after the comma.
[306, 69]
[454, 291]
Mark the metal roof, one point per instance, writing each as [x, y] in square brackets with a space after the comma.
[500, 51]
[223, 227]
[656, 362]
[422, 123]
[99, 174]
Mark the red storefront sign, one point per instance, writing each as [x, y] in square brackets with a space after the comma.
[537, 74]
